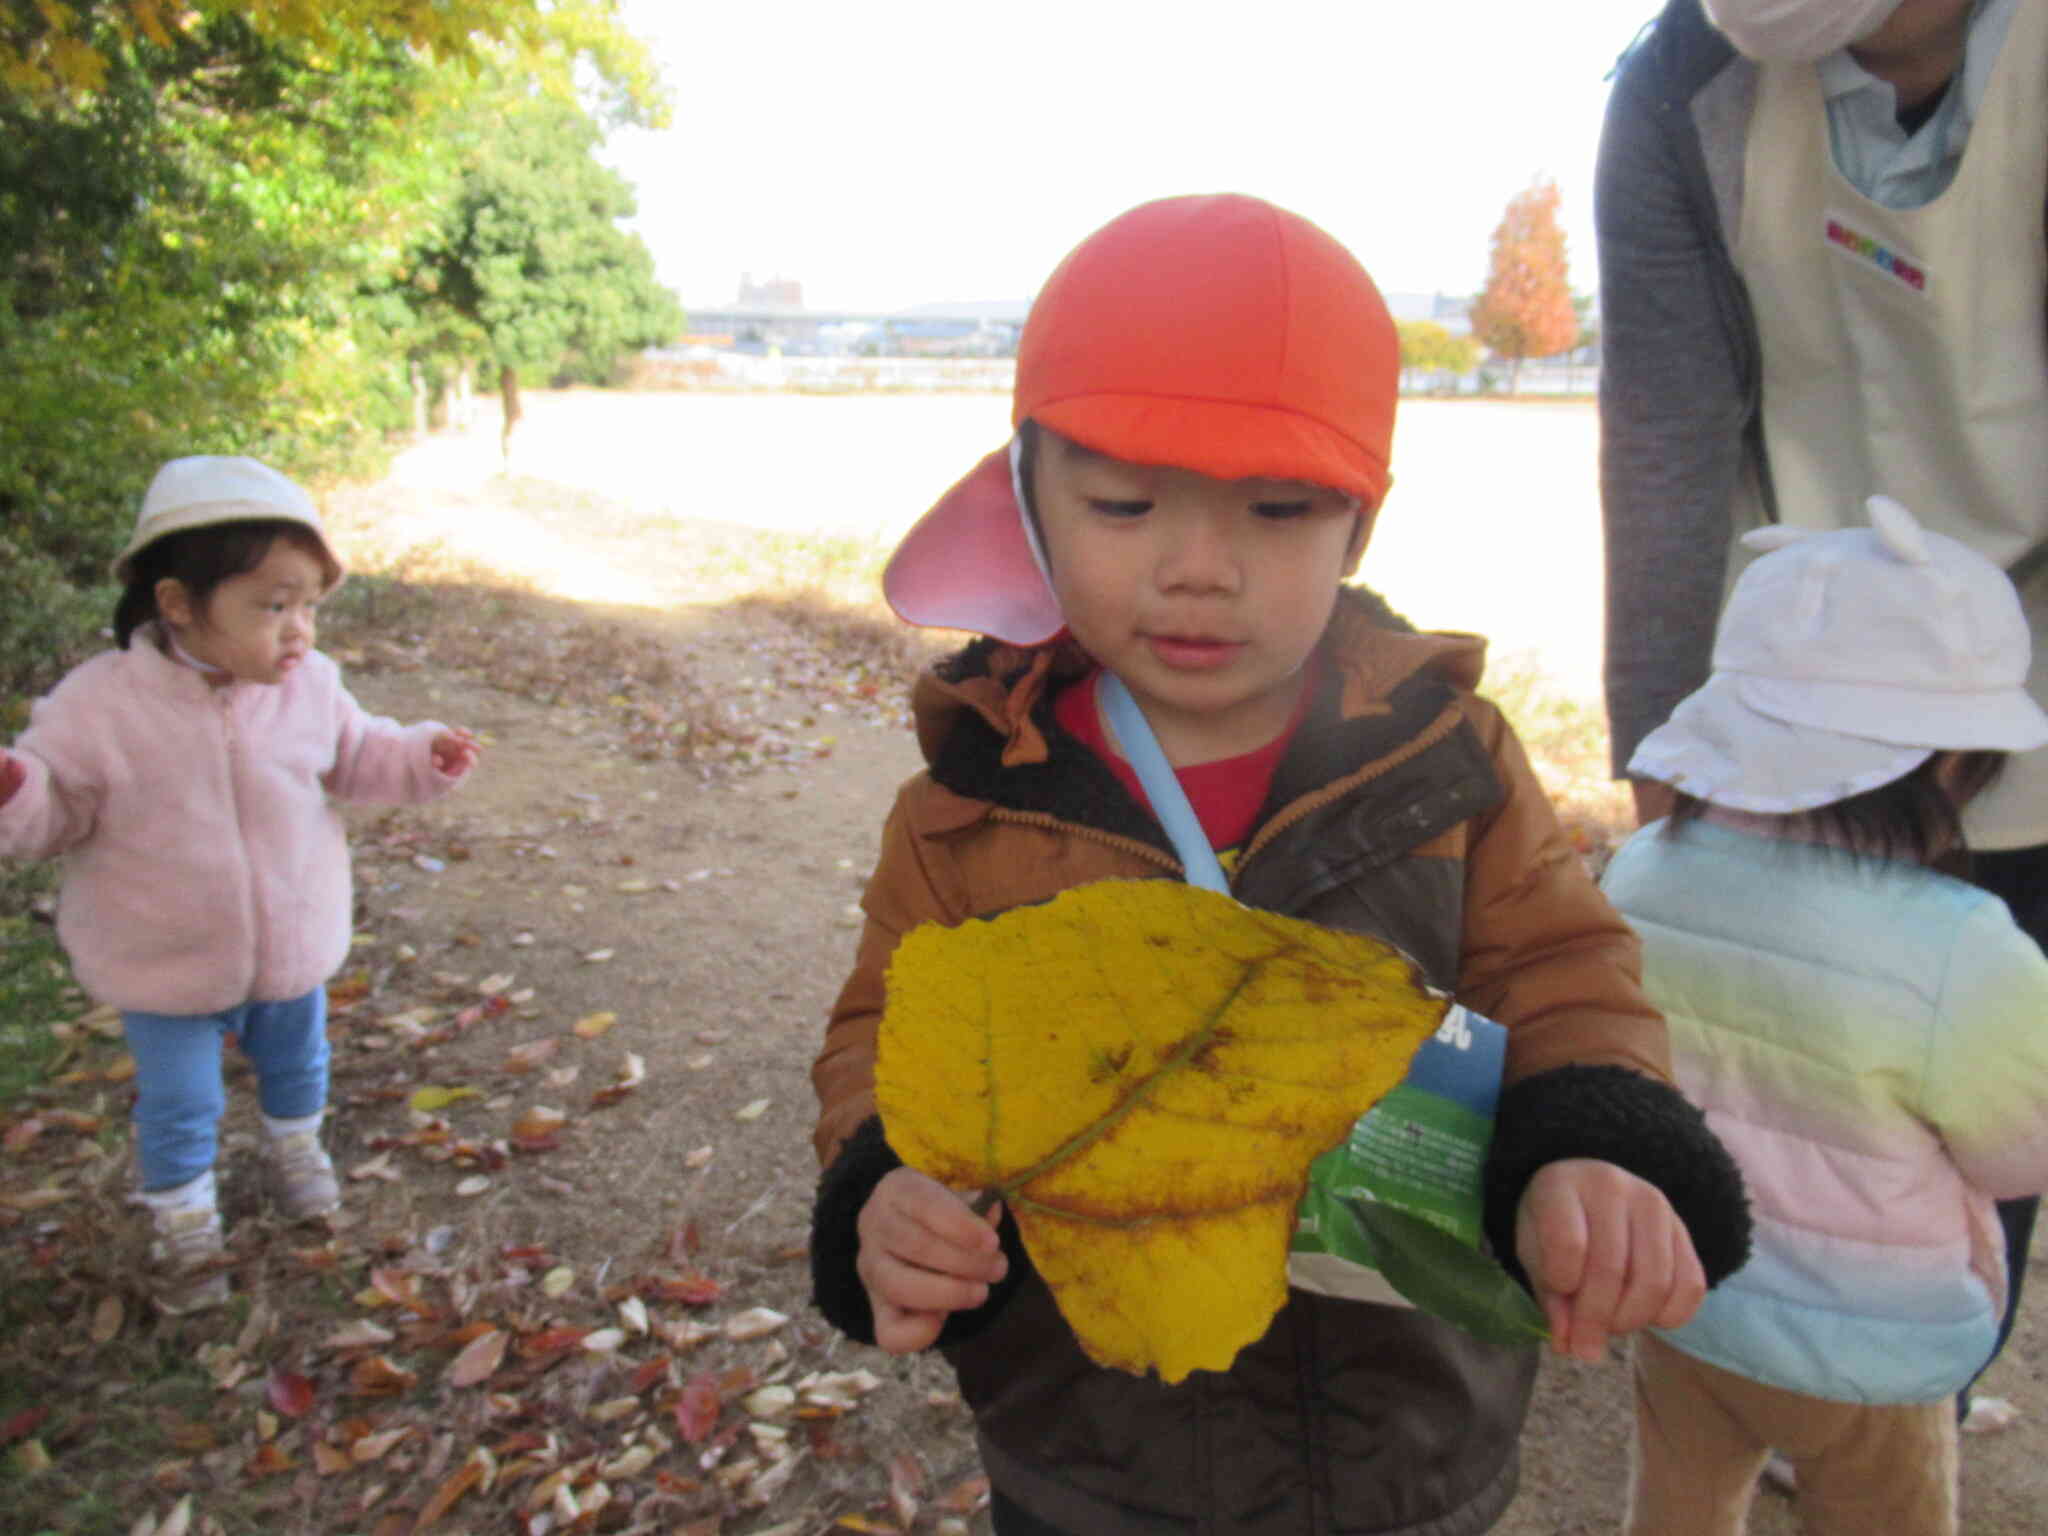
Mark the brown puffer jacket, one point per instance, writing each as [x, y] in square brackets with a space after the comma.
[1406, 809]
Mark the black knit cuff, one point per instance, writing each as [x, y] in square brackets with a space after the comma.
[1635, 1122]
[864, 1161]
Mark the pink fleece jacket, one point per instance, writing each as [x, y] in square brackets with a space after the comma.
[204, 864]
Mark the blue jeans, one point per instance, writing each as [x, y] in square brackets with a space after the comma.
[179, 1097]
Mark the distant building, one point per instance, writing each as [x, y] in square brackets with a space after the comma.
[775, 293]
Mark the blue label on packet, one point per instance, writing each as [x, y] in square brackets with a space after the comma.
[1462, 1061]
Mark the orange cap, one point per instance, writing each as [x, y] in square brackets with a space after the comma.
[1219, 334]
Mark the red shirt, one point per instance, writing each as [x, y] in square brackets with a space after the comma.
[1226, 794]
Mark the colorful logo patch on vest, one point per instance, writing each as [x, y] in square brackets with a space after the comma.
[1875, 253]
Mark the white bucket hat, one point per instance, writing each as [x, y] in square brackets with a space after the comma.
[1843, 661]
[205, 489]
[1796, 31]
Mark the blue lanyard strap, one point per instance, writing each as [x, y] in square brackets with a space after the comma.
[1161, 785]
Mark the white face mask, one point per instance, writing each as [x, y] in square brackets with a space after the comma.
[1796, 31]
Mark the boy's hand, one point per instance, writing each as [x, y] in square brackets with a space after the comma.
[923, 1255]
[12, 775]
[455, 752]
[1606, 1254]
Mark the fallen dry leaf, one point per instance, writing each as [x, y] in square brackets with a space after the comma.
[591, 1025]
[906, 1488]
[378, 1167]
[289, 1393]
[527, 1057]
[754, 1323]
[472, 1473]
[107, 1318]
[430, 1099]
[698, 1408]
[480, 1359]
[378, 1376]
[753, 1111]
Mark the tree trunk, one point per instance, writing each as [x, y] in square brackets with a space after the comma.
[508, 392]
[419, 399]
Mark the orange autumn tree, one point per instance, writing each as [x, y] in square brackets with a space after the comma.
[1526, 309]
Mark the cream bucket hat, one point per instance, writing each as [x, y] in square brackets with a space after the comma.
[205, 489]
[1843, 661]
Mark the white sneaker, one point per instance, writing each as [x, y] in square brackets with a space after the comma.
[188, 1246]
[302, 1174]
[1989, 1415]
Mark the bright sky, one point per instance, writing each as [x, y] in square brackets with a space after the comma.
[903, 151]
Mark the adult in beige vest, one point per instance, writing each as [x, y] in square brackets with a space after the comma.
[1823, 275]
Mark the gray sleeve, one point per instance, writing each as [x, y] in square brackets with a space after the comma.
[1675, 406]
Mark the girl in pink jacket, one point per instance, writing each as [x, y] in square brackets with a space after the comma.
[186, 780]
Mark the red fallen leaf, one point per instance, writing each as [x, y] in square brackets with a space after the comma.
[328, 1256]
[73, 1120]
[289, 1393]
[21, 1135]
[690, 1290]
[650, 1373]
[698, 1408]
[267, 1462]
[684, 1242]
[551, 1341]
[23, 1423]
[518, 1444]
[497, 1003]
[529, 1254]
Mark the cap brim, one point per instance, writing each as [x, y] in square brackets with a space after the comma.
[1993, 719]
[1718, 748]
[967, 564]
[1224, 439]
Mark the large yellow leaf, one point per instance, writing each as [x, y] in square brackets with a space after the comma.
[1144, 1071]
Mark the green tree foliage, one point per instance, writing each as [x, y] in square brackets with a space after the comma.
[194, 201]
[1429, 348]
[1525, 309]
[528, 257]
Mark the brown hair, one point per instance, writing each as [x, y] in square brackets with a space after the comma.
[1913, 817]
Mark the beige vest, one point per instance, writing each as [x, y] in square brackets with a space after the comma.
[1906, 350]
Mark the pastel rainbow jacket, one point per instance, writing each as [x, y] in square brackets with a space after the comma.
[204, 866]
[1870, 1040]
